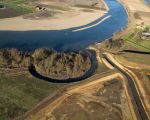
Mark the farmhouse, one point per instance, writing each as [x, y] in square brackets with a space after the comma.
[40, 8]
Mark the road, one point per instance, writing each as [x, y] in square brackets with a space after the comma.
[142, 115]
[51, 102]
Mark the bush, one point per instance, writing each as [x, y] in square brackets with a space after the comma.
[60, 65]
[12, 58]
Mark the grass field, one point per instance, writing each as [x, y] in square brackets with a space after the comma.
[138, 58]
[18, 7]
[134, 40]
[20, 92]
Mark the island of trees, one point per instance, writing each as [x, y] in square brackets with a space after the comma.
[47, 62]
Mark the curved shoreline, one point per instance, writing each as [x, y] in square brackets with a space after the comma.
[130, 24]
[60, 21]
[66, 40]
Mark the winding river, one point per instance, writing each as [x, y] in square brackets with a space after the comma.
[76, 38]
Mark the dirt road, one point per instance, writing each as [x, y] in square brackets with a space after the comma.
[51, 102]
[140, 103]
[47, 106]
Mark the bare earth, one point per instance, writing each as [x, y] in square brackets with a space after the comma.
[143, 91]
[143, 11]
[106, 99]
[94, 103]
[61, 19]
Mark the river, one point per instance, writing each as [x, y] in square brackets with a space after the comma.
[69, 39]
[147, 1]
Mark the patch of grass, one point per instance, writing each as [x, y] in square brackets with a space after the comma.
[136, 15]
[19, 93]
[135, 40]
[19, 6]
[138, 58]
[138, 46]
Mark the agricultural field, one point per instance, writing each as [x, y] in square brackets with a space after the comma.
[20, 92]
[140, 51]
[137, 40]
[13, 8]
[91, 101]
[139, 59]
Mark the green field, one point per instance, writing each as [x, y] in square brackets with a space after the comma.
[19, 6]
[20, 92]
[135, 58]
[134, 40]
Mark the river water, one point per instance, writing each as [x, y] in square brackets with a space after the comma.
[147, 1]
[69, 39]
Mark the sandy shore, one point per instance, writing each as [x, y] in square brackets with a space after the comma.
[132, 7]
[143, 11]
[76, 17]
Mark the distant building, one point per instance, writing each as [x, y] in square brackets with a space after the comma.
[146, 35]
[40, 8]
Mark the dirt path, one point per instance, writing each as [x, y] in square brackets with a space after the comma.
[46, 107]
[101, 60]
[50, 103]
[141, 91]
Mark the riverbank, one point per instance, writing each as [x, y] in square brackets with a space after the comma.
[140, 11]
[138, 14]
[147, 2]
[130, 25]
[68, 39]
[43, 20]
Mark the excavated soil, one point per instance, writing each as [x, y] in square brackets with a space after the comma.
[95, 103]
